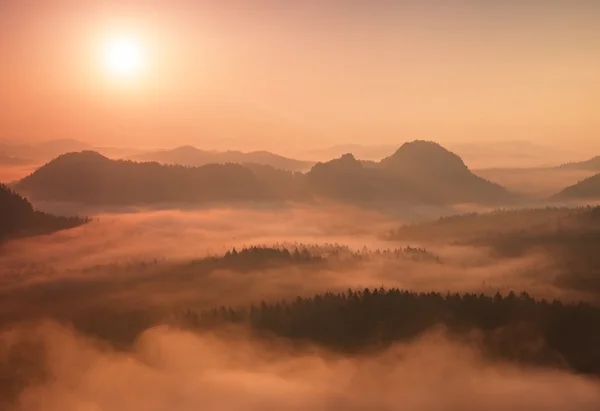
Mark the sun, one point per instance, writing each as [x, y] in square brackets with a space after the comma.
[123, 56]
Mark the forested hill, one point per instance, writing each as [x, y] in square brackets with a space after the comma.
[513, 327]
[90, 178]
[419, 172]
[18, 218]
[194, 157]
[587, 189]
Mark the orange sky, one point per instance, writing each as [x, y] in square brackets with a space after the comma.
[256, 75]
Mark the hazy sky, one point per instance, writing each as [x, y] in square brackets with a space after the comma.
[275, 74]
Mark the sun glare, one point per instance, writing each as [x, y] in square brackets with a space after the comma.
[123, 56]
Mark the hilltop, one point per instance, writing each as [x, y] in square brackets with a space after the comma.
[419, 172]
[429, 167]
[90, 178]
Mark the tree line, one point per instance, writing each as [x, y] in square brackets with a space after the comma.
[260, 256]
[514, 327]
[18, 217]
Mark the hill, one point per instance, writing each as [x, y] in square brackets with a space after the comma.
[587, 189]
[473, 227]
[591, 164]
[569, 237]
[90, 178]
[193, 157]
[348, 179]
[363, 152]
[510, 327]
[428, 167]
[20, 219]
[419, 171]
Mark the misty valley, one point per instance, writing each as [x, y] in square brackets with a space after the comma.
[347, 284]
[299, 205]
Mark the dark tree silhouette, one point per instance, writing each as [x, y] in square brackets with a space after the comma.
[513, 327]
[570, 237]
[422, 172]
[18, 218]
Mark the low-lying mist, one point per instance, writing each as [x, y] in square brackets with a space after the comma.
[169, 369]
[189, 234]
[147, 264]
[81, 313]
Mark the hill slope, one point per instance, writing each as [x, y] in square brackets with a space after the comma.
[430, 168]
[569, 239]
[20, 219]
[587, 189]
[419, 171]
[90, 178]
[591, 164]
[193, 157]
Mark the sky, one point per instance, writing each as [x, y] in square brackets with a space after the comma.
[282, 75]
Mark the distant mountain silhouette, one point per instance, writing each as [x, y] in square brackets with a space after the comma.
[511, 154]
[478, 154]
[363, 152]
[591, 164]
[420, 172]
[429, 168]
[8, 160]
[191, 156]
[346, 178]
[90, 178]
[42, 151]
[586, 189]
[20, 219]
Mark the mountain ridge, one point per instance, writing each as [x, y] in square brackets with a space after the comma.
[417, 171]
[194, 157]
[420, 172]
[591, 164]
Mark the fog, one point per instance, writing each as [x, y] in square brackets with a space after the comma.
[145, 260]
[145, 256]
[82, 313]
[170, 369]
[197, 233]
